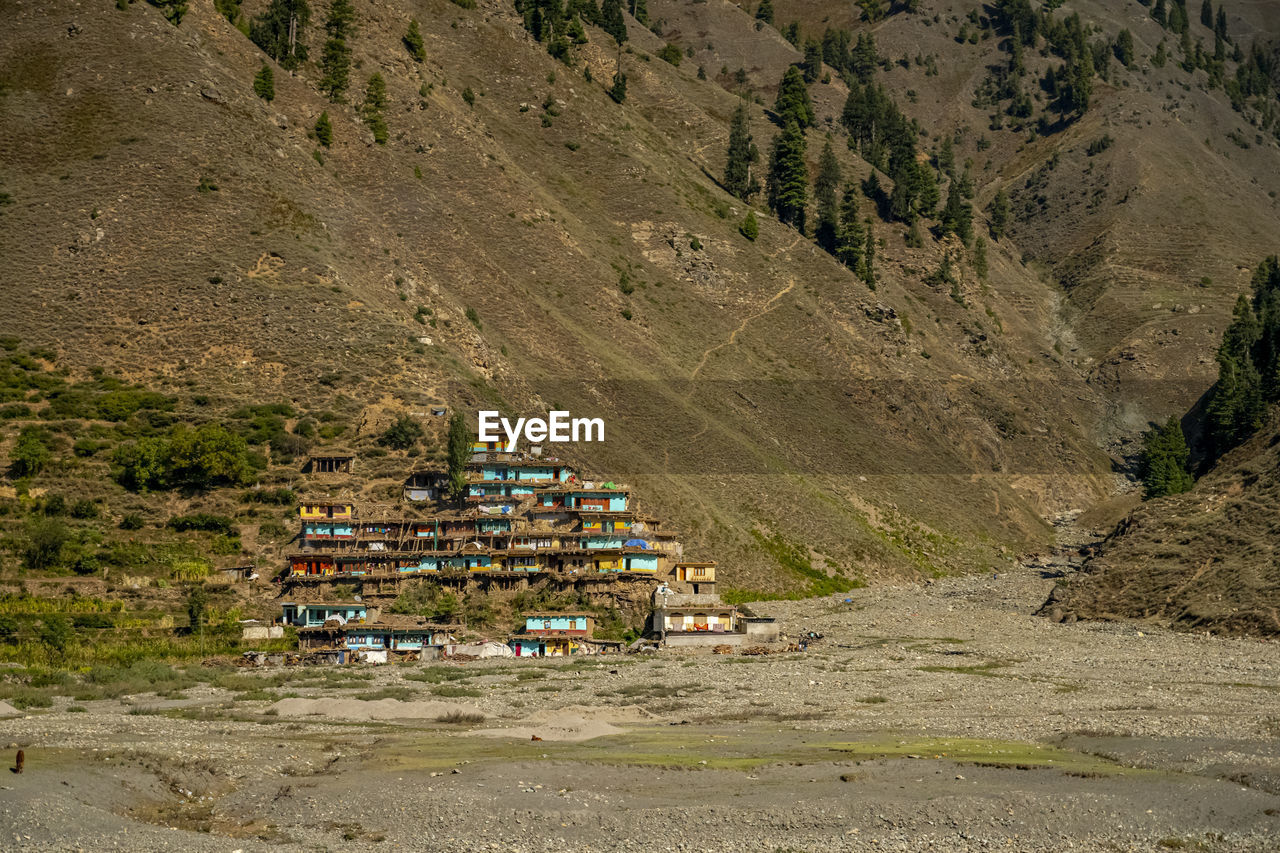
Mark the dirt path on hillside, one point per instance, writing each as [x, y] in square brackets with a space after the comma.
[733, 336]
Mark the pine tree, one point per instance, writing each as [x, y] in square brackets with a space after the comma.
[980, 258]
[375, 101]
[849, 239]
[764, 12]
[264, 83]
[173, 9]
[1124, 48]
[868, 258]
[335, 61]
[1235, 405]
[998, 214]
[825, 190]
[586, 10]
[280, 32]
[788, 183]
[1161, 55]
[946, 157]
[413, 42]
[811, 65]
[863, 59]
[640, 12]
[957, 214]
[1220, 23]
[1266, 307]
[1160, 13]
[619, 89]
[915, 192]
[324, 130]
[793, 103]
[612, 21]
[872, 10]
[340, 23]
[750, 228]
[1206, 13]
[1163, 463]
[229, 9]
[741, 155]
[335, 68]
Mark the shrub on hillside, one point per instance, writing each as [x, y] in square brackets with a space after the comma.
[202, 521]
[403, 434]
[199, 458]
[45, 541]
[31, 452]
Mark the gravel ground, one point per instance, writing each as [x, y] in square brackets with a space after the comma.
[935, 717]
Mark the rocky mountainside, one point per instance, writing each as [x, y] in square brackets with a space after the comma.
[522, 241]
[1202, 560]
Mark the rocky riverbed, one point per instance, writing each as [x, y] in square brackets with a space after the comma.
[942, 716]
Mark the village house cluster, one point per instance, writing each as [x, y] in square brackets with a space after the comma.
[523, 519]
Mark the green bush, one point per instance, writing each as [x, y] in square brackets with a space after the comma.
[204, 521]
[85, 447]
[56, 632]
[282, 496]
[86, 564]
[84, 509]
[199, 458]
[403, 434]
[45, 540]
[93, 620]
[32, 452]
[121, 405]
[64, 405]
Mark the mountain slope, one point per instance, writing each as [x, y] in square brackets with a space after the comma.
[918, 428]
[1202, 560]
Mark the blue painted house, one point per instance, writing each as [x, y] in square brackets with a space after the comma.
[548, 634]
[640, 562]
[310, 615]
[324, 531]
[597, 500]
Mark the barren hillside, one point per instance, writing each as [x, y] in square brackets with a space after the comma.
[1203, 560]
[523, 240]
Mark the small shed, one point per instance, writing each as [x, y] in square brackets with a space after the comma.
[239, 574]
[336, 462]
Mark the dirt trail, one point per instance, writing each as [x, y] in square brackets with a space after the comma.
[733, 336]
